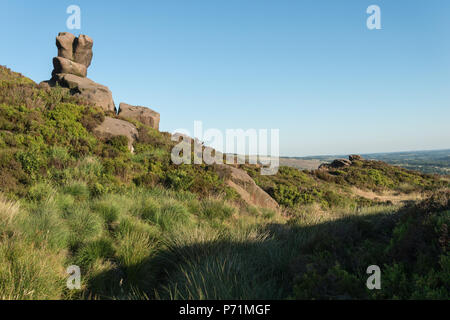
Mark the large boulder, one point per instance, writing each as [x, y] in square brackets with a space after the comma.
[63, 65]
[142, 114]
[340, 163]
[64, 42]
[246, 187]
[93, 92]
[112, 127]
[336, 164]
[82, 50]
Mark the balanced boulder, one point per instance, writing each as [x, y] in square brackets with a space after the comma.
[142, 114]
[64, 42]
[63, 65]
[82, 50]
[70, 70]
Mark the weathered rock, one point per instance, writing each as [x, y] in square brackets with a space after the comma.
[355, 157]
[246, 187]
[112, 127]
[82, 50]
[63, 65]
[64, 42]
[324, 166]
[44, 85]
[142, 114]
[93, 92]
[340, 163]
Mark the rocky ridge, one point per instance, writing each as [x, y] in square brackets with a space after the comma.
[70, 70]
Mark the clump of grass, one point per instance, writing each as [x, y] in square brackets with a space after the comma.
[43, 225]
[83, 224]
[79, 190]
[108, 211]
[216, 209]
[28, 272]
[133, 251]
[8, 211]
[41, 192]
[98, 249]
[163, 212]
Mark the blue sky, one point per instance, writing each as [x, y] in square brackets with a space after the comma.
[310, 68]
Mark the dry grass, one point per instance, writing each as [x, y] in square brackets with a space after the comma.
[392, 196]
[8, 210]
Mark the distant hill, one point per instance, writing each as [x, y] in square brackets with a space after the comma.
[435, 161]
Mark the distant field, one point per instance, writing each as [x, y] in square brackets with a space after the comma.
[434, 162]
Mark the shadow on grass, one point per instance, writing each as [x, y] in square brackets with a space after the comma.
[323, 261]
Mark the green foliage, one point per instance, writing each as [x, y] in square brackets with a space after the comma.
[139, 226]
[119, 142]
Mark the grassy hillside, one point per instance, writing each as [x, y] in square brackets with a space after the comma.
[142, 228]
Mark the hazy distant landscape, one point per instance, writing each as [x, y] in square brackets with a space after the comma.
[434, 161]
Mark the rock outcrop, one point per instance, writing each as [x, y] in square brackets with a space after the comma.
[66, 66]
[341, 163]
[246, 187]
[355, 157]
[88, 89]
[70, 70]
[82, 50]
[64, 42]
[112, 127]
[142, 114]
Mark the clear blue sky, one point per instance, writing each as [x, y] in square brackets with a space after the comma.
[308, 67]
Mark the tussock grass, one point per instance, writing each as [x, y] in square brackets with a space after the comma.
[8, 211]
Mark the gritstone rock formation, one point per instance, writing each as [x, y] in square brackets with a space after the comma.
[341, 163]
[355, 157]
[112, 127]
[70, 70]
[142, 114]
[245, 186]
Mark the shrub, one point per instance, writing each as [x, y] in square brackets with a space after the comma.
[119, 143]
